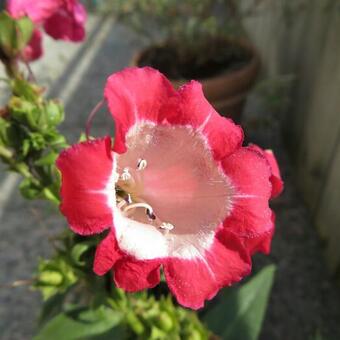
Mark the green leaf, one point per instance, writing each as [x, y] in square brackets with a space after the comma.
[47, 159]
[28, 189]
[80, 323]
[240, 312]
[52, 306]
[78, 250]
[14, 33]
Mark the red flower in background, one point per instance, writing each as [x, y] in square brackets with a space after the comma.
[61, 19]
[176, 190]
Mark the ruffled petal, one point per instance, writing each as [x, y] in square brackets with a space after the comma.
[86, 170]
[275, 178]
[36, 10]
[34, 49]
[222, 134]
[107, 253]
[193, 281]
[67, 24]
[249, 174]
[133, 275]
[133, 95]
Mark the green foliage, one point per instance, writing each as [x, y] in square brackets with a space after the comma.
[14, 34]
[83, 323]
[30, 141]
[240, 311]
[54, 276]
[189, 25]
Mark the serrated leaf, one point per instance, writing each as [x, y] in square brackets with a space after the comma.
[81, 323]
[239, 314]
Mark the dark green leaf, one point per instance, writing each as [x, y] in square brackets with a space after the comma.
[52, 306]
[81, 323]
[240, 312]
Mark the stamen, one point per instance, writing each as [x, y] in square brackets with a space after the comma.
[128, 199]
[121, 204]
[167, 226]
[141, 164]
[150, 214]
[139, 205]
[125, 176]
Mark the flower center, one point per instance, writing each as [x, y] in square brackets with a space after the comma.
[128, 200]
[169, 180]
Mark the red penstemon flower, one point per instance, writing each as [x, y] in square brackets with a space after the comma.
[61, 19]
[176, 190]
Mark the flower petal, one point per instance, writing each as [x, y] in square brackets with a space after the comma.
[222, 134]
[107, 253]
[275, 178]
[34, 49]
[194, 281]
[261, 243]
[37, 10]
[135, 94]
[86, 173]
[67, 24]
[249, 173]
[133, 275]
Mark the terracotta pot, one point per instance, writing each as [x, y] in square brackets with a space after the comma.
[227, 91]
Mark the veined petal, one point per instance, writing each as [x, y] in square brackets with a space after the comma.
[222, 134]
[86, 170]
[133, 95]
[107, 253]
[249, 173]
[133, 275]
[194, 281]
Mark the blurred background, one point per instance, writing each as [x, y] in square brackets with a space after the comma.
[271, 65]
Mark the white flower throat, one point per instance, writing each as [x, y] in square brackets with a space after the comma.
[171, 195]
[128, 201]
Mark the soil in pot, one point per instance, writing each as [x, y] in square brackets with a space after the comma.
[227, 57]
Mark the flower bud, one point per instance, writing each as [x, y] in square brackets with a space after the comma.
[51, 277]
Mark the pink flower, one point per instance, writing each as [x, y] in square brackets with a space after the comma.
[33, 50]
[61, 19]
[177, 190]
[68, 22]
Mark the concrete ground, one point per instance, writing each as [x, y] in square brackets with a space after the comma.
[304, 300]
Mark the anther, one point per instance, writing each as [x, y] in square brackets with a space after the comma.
[141, 164]
[125, 176]
[150, 214]
[167, 226]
